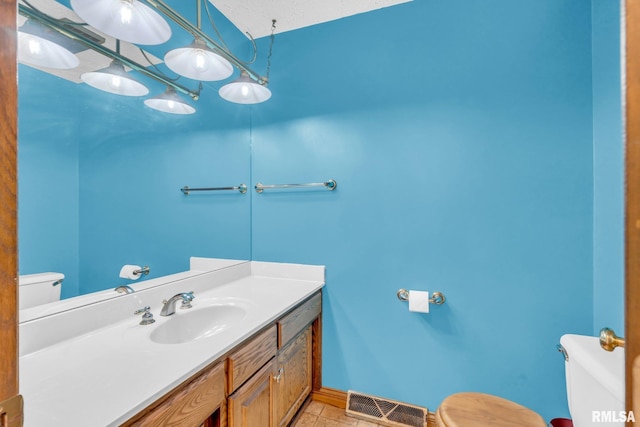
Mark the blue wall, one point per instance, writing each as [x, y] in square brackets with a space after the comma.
[461, 141]
[100, 177]
[109, 171]
[48, 190]
[131, 209]
[608, 169]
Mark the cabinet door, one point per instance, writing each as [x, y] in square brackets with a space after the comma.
[252, 404]
[190, 404]
[293, 377]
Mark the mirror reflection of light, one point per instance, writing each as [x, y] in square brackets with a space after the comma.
[126, 12]
[34, 50]
[34, 46]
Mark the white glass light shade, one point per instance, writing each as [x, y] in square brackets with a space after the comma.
[128, 20]
[35, 50]
[169, 102]
[244, 90]
[198, 62]
[114, 79]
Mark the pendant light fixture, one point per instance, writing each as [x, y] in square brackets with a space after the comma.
[245, 90]
[143, 23]
[115, 79]
[34, 50]
[197, 61]
[42, 47]
[169, 102]
[128, 20]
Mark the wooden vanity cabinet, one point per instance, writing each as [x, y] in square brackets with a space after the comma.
[294, 360]
[199, 401]
[293, 378]
[252, 404]
[244, 362]
[261, 383]
[273, 396]
[250, 379]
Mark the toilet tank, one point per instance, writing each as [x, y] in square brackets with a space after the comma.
[595, 382]
[40, 288]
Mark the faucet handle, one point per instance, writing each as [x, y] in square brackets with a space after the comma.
[187, 297]
[142, 310]
[147, 316]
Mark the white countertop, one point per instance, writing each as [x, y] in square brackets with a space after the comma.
[105, 373]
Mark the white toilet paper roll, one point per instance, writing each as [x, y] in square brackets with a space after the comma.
[127, 272]
[419, 301]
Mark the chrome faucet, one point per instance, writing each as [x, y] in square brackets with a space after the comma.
[147, 316]
[169, 306]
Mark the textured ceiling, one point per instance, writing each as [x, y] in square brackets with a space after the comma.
[255, 16]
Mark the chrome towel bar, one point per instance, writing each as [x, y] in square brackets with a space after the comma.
[329, 185]
[436, 298]
[242, 188]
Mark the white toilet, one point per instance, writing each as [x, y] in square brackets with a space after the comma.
[595, 382]
[37, 289]
[595, 393]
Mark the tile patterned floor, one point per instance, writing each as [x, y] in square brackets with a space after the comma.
[318, 414]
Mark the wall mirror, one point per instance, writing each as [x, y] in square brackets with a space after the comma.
[100, 174]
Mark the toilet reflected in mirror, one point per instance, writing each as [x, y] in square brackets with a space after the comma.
[38, 289]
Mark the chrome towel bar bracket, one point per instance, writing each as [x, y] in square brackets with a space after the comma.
[242, 188]
[436, 298]
[329, 185]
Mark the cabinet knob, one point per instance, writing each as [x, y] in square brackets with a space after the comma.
[280, 372]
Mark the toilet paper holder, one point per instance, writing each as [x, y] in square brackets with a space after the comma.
[144, 270]
[436, 298]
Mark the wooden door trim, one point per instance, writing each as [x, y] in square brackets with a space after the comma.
[8, 201]
[632, 194]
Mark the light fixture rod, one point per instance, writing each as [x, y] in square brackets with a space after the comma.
[53, 24]
[165, 9]
[199, 13]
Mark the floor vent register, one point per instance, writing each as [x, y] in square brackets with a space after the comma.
[384, 411]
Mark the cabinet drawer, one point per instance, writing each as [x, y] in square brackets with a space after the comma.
[291, 324]
[244, 362]
[192, 404]
[251, 405]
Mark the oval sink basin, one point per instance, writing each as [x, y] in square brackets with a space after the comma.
[185, 326]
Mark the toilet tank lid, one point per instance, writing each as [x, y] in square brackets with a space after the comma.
[607, 367]
[32, 279]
